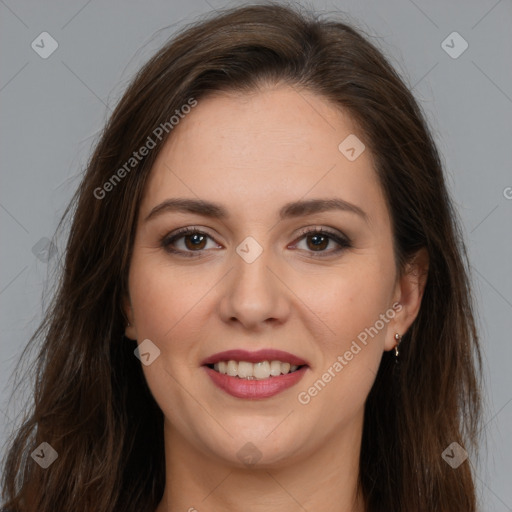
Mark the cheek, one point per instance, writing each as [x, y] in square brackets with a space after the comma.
[173, 309]
[355, 312]
[169, 310]
[165, 298]
[348, 301]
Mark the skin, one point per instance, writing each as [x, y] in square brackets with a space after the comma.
[252, 154]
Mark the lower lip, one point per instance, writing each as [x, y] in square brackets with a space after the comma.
[255, 389]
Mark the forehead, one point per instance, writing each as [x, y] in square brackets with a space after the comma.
[257, 151]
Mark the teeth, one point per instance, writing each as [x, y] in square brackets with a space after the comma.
[258, 371]
[232, 369]
[245, 369]
[275, 368]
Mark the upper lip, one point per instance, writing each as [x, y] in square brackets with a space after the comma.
[254, 357]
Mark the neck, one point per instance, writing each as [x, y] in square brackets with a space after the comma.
[325, 479]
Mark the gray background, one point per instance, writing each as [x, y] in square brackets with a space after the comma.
[52, 110]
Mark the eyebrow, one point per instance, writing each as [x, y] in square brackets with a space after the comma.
[289, 210]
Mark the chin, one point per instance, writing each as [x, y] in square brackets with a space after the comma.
[255, 449]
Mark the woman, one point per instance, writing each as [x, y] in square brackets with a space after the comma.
[265, 301]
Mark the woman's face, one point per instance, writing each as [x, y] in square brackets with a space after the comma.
[253, 280]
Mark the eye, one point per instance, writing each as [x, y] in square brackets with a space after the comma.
[318, 239]
[194, 241]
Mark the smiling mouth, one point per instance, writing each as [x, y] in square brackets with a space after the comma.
[254, 371]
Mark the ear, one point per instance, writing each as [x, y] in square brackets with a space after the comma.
[130, 329]
[408, 293]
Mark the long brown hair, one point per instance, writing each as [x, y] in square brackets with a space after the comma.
[91, 402]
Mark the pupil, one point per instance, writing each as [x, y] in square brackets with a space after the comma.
[320, 244]
[196, 240]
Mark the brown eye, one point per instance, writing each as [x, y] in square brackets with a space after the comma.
[196, 241]
[319, 242]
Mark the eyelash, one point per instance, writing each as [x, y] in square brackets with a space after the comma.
[342, 241]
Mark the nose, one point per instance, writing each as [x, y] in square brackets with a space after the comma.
[255, 294]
